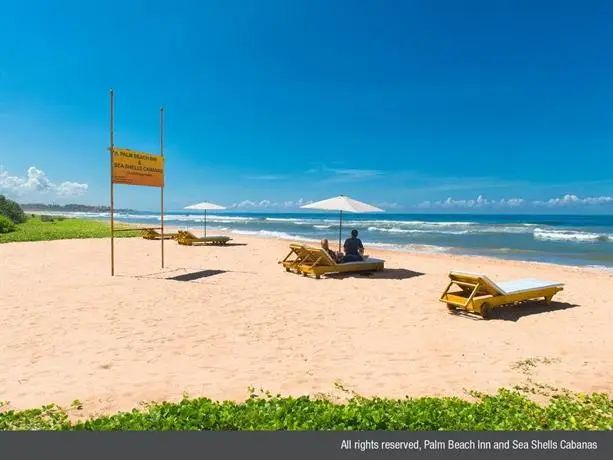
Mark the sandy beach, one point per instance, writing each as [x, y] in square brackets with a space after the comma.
[218, 320]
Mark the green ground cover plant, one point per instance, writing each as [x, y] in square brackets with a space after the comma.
[45, 228]
[11, 210]
[506, 410]
[6, 224]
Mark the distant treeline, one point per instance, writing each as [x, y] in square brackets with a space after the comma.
[69, 208]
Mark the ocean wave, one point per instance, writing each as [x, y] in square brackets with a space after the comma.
[448, 231]
[291, 220]
[362, 222]
[407, 223]
[190, 218]
[448, 228]
[516, 229]
[322, 227]
[414, 248]
[599, 267]
[413, 230]
[273, 234]
[571, 235]
[391, 230]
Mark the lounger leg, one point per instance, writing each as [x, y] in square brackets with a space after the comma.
[548, 300]
[484, 310]
[446, 290]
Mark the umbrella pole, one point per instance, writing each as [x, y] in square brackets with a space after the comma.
[340, 231]
[205, 223]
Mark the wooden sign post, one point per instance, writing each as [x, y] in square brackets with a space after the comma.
[129, 167]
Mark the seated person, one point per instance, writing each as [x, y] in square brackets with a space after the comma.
[353, 248]
[335, 257]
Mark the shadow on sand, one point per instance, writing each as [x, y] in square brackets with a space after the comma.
[516, 312]
[386, 274]
[197, 275]
[186, 274]
[220, 245]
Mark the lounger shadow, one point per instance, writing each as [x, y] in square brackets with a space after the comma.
[531, 307]
[317, 262]
[189, 239]
[387, 274]
[150, 234]
[478, 294]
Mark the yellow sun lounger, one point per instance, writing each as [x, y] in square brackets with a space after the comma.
[479, 294]
[317, 262]
[301, 255]
[150, 234]
[189, 239]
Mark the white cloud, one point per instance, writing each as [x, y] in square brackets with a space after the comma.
[296, 204]
[248, 204]
[267, 204]
[482, 202]
[71, 189]
[36, 181]
[264, 204]
[244, 204]
[574, 200]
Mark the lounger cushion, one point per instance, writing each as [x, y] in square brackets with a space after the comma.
[370, 260]
[512, 286]
[525, 285]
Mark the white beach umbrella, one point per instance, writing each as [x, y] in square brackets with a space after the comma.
[342, 203]
[204, 207]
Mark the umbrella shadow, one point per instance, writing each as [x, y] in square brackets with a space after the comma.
[192, 276]
[184, 276]
[212, 245]
[514, 313]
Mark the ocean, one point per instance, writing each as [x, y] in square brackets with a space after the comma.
[578, 240]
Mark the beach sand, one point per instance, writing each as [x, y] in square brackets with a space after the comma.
[71, 331]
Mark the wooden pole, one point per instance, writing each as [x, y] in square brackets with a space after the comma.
[162, 188]
[340, 231]
[112, 142]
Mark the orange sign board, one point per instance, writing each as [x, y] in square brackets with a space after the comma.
[137, 168]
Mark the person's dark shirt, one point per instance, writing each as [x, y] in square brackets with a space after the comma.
[352, 245]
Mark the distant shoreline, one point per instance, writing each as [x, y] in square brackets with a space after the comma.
[30, 207]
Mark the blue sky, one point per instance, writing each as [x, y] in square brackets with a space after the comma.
[411, 105]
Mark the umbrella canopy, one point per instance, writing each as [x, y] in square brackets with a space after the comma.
[204, 206]
[342, 203]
